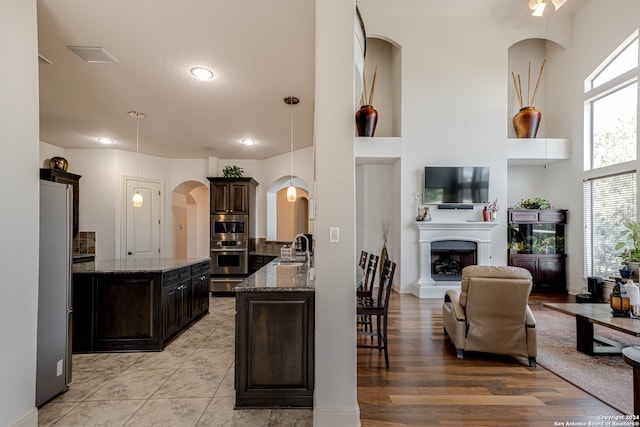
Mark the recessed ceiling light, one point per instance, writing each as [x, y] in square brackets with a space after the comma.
[248, 141]
[105, 141]
[201, 73]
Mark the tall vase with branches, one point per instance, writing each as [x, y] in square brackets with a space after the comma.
[384, 254]
[367, 116]
[527, 120]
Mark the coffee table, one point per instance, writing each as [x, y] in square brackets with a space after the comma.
[588, 314]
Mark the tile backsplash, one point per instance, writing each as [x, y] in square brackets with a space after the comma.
[261, 245]
[84, 243]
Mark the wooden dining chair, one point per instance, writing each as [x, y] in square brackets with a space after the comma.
[369, 277]
[362, 263]
[365, 290]
[378, 307]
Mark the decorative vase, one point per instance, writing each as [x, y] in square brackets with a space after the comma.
[366, 120]
[526, 122]
[493, 215]
[59, 163]
[427, 215]
[485, 214]
[635, 267]
[383, 257]
[626, 274]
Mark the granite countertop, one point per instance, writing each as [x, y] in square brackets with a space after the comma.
[131, 265]
[279, 276]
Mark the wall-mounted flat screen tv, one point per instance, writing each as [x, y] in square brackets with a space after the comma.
[455, 184]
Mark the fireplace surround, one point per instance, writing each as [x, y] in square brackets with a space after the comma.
[465, 232]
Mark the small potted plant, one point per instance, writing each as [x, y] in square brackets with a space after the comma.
[630, 243]
[534, 203]
[232, 172]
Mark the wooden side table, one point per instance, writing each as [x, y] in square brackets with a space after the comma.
[631, 355]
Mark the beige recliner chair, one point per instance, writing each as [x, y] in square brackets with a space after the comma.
[491, 314]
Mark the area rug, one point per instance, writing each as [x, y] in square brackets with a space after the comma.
[607, 378]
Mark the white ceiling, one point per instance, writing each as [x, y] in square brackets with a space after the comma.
[259, 50]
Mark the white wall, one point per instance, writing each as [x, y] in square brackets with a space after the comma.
[335, 400]
[274, 168]
[453, 109]
[48, 151]
[455, 77]
[20, 213]
[526, 182]
[102, 192]
[374, 184]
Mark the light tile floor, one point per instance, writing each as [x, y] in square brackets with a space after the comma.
[188, 384]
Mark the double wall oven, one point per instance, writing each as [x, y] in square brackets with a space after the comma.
[229, 250]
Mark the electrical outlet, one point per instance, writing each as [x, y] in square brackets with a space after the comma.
[334, 234]
[59, 368]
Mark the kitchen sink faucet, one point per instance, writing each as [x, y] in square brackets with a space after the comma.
[307, 255]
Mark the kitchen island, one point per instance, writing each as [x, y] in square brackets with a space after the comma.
[136, 304]
[275, 326]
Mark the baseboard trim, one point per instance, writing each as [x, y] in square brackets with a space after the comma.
[30, 419]
[332, 417]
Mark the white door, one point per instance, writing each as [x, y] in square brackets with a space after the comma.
[143, 224]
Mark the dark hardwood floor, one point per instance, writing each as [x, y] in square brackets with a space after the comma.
[427, 385]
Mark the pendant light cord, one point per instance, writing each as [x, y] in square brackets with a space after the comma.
[291, 156]
[137, 151]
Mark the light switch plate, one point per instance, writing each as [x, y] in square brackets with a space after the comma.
[334, 234]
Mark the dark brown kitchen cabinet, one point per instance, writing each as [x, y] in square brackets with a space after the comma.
[57, 175]
[274, 365]
[200, 286]
[232, 195]
[177, 300]
[137, 311]
[536, 242]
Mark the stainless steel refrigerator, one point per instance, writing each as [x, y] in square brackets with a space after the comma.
[53, 364]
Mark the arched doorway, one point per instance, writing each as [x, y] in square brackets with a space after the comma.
[286, 219]
[190, 213]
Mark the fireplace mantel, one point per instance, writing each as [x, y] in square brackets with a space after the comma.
[432, 231]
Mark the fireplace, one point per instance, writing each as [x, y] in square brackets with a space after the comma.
[445, 237]
[449, 257]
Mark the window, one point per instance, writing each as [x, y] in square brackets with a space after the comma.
[608, 202]
[611, 141]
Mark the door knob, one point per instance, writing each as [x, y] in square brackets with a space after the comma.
[129, 253]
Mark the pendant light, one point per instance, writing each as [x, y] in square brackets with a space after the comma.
[291, 191]
[136, 200]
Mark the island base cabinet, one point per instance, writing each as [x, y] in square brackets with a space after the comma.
[125, 312]
[274, 366]
[137, 311]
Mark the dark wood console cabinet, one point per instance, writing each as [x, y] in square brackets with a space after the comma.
[136, 311]
[275, 349]
[536, 242]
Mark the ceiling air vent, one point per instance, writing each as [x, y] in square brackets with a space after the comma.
[208, 148]
[93, 54]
